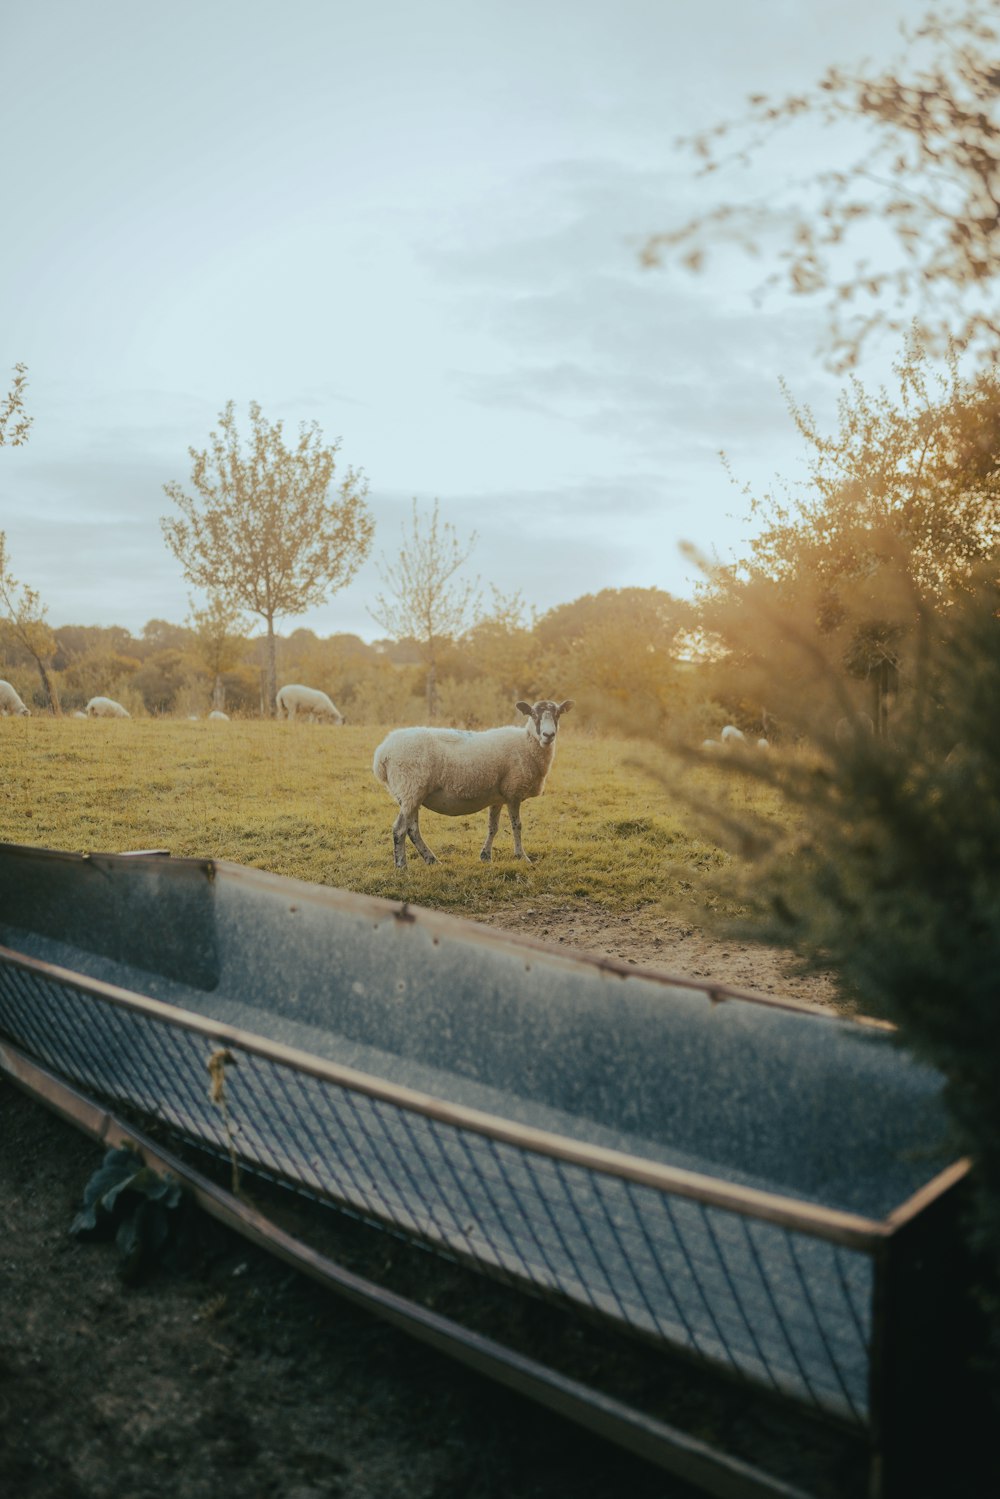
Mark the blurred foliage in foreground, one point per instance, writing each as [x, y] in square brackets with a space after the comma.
[888, 870]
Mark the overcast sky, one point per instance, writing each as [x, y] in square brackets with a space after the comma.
[416, 225]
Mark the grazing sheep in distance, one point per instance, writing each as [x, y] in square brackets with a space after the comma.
[730, 737]
[10, 703]
[456, 771]
[309, 700]
[79, 713]
[219, 716]
[106, 707]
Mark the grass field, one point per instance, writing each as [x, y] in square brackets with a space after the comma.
[300, 799]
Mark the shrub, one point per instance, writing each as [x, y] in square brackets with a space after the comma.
[887, 869]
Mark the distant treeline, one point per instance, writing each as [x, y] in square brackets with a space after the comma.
[626, 655]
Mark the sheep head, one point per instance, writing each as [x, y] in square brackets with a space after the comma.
[543, 718]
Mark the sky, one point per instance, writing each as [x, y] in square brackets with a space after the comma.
[417, 226]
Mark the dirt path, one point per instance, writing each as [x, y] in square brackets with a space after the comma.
[644, 938]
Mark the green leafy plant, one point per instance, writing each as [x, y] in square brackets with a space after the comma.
[128, 1201]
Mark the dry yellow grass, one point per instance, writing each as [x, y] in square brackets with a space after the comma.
[300, 799]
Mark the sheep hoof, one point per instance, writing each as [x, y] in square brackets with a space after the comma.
[486, 855]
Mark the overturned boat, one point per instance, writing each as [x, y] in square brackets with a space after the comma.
[749, 1183]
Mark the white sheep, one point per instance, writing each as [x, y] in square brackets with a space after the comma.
[106, 707]
[308, 700]
[10, 703]
[456, 771]
[730, 737]
[79, 713]
[219, 716]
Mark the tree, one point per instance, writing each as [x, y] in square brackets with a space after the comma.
[262, 530]
[219, 640]
[500, 645]
[424, 599]
[881, 862]
[908, 487]
[161, 678]
[930, 178]
[619, 650]
[919, 464]
[14, 423]
[886, 871]
[24, 623]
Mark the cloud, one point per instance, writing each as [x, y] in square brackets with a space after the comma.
[662, 363]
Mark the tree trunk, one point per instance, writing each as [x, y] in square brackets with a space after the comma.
[219, 693]
[49, 688]
[431, 690]
[272, 668]
[885, 682]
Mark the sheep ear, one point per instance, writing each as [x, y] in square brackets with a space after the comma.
[524, 708]
[565, 707]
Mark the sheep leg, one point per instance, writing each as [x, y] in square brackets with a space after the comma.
[399, 840]
[514, 812]
[416, 838]
[486, 852]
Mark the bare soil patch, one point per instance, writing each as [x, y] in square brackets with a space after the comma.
[648, 940]
[233, 1373]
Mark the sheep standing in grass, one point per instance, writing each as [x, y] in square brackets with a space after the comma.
[10, 703]
[455, 772]
[106, 707]
[310, 701]
[218, 716]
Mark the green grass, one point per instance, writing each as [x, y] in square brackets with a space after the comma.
[301, 800]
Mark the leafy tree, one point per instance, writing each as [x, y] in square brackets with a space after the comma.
[917, 464]
[24, 623]
[101, 671]
[928, 175]
[883, 862]
[218, 640]
[261, 529]
[425, 600]
[886, 872]
[907, 487]
[161, 678]
[77, 641]
[14, 423]
[500, 648]
[619, 648]
[161, 635]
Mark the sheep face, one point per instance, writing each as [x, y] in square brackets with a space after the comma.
[544, 718]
